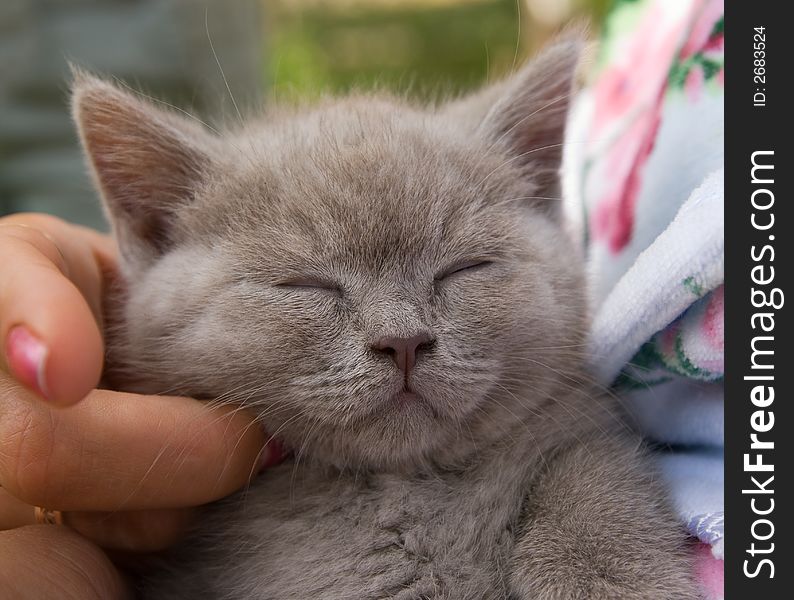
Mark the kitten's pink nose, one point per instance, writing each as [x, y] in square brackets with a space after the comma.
[403, 350]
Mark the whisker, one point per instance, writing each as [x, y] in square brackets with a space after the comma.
[218, 62]
[518, 34]
[168, 105]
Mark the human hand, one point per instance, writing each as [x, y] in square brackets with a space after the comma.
[125, 468]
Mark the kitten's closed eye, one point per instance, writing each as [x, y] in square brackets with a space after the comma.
[463, 267]
[309, 284]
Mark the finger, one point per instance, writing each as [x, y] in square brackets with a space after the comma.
[45, 561]
[116, 451]
[132, 531]
[13, 512]
[50, 304]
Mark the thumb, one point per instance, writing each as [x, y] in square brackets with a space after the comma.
[50, 298]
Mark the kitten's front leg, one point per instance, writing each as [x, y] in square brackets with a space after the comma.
[597, 526]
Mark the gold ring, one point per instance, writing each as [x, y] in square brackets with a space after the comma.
[45, 516]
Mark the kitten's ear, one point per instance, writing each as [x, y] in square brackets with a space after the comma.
[146, 162]
[528, 111]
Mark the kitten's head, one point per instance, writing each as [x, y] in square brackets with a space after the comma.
[384, 284]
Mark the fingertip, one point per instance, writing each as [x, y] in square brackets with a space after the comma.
[250, 449]
[50, 306]
[26, 356]
[234, 451]
[54, 346]
[76, 359]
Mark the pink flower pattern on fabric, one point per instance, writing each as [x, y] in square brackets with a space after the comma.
[710, 572]
[661, 77]
[629, 96]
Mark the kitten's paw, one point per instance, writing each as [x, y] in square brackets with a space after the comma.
[675, 588]
[605, 576]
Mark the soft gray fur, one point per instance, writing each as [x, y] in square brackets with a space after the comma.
[265, 265]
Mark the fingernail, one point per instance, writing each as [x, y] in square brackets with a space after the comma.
[27, 358]
[272, 454]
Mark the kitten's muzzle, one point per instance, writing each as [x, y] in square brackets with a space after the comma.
[404, 351]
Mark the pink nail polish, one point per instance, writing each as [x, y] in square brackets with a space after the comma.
[27, 358]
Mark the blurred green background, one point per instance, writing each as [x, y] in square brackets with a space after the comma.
[425, 47]
[282, 49]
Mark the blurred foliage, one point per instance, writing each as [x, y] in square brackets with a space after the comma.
[425, 48]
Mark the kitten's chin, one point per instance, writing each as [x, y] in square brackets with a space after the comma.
[406, 399]
[407, 404]
[396, 428]
[404, 435]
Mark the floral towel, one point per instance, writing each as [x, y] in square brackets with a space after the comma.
[643, 179]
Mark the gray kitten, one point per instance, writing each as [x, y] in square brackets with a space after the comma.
[389, 287]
